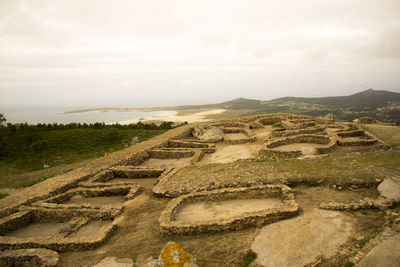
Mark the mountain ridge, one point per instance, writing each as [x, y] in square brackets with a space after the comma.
[371, 98]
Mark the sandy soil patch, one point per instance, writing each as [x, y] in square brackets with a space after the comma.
[147, 183]
[39, 230]
[90, 229]
[311, 197]
[235, 136]
[196, 117]
[206, 210]
[152, 162]
[305, 148]
[97, 201]
[144, 182]
[262, 133]
[230, 153]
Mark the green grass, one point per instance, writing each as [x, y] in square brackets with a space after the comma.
[366, 240]
[248, 258]
[328, 170]
[389, 134]
[3, 195]
[31, 151]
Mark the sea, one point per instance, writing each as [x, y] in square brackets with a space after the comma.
[57, 115]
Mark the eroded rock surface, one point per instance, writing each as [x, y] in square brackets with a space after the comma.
[385, 254]
[390, 188]
[208, 133]
[115, 262]
[301, 240]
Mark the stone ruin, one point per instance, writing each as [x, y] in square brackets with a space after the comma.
[82, 210]
[267, 212]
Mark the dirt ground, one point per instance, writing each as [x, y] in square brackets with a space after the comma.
[207, 210]
[229, 153]
[139, 237]
[306, 149]
[152, 162]
[89, 229]
[97, 201]
[39, 230]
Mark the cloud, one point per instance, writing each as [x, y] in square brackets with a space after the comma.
[212, 49]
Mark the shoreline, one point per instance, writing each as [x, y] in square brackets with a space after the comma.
[195, 117]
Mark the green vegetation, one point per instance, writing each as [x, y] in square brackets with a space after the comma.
[26, 147]
[248, 258]
[334, 169]
[366, 240]
[390, 134]
[349, 264]
[382, 105]
[2, 119]
[3, 195]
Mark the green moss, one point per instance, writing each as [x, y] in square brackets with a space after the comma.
[366, 240]
[248, 258]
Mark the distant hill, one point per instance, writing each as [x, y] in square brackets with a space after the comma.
[239, 103]
[382, 105]
[368, 99]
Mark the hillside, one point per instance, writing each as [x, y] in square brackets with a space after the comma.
[380, 104]
[368, 99]
[238, 103]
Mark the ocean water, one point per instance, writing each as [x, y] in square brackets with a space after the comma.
[56, 115]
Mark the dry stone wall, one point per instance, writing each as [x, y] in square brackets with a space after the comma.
[29, 257]
[169, 226]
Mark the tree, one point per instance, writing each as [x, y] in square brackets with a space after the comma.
[2, 119]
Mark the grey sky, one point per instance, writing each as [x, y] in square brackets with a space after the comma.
[141, 53]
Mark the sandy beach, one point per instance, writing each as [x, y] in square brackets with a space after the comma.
[196, 117]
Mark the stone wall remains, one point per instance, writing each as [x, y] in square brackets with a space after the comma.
[169, 226]
[29, 257]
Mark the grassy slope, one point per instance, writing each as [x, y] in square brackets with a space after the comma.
[390, 134]
[30, 152]
[335, 168]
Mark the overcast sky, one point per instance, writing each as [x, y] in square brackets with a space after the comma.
[152, 53]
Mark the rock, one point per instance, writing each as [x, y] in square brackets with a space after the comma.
[382, 203]
[390, 188]
[385, 254]
[302, 240]
[208, 133]
[65, 229]
[172, 255]
[134, 140]
[366, 120]
[115, 262]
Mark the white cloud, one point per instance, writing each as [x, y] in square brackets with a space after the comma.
[191, 51]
